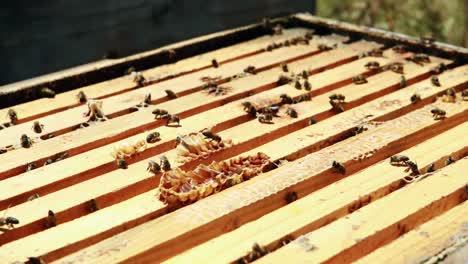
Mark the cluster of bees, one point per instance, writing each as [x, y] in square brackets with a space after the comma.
[301, 40]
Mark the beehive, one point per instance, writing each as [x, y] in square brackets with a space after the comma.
[328, 192]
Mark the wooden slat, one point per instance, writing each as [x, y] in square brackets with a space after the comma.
[139, 167]
[112, 130]
[182, 85]
[227, 210]
[100, 156]
[113, 181]
[75, 194]
[324, 206]
[426, 241]
[368, 228]
[68, 99]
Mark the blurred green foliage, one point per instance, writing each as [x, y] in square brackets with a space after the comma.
[446, 20]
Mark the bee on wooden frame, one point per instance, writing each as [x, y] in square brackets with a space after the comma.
[399, 160]
[82, 97]
[153, 167]
[13, 116]
[26, 142]
[164, 163]
[171, 119]
[47, 92]
[338, 167]
[438, 113]
[266, 118]
[37, 127]
[359, 79]
[170, 94]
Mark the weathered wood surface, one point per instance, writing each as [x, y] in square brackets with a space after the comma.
[131, 224]
[435, 239]
[324, 206]
[237, 205]
[368, 228]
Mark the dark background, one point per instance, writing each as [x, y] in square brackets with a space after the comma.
[39, 37]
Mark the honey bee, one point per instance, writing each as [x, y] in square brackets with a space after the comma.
[147, 99]
[282, 80]
[3, 150]
[153, 137]
[36, 260]
[171, 119]
[398, 160]
[431, 168]
[415, 98]
[13, 116]
[250, 69]
[153, 167]
[95, 111]
[138, 79]
[450, 96]
[61, 156]
[397, 68]
[435, 80]
[372, 65]
[241, 261]
[265, 118]
[286, 43]
[304, 97]
[250, 109]
[449, 161]
[324, 47]
[159, 113]
[359, 79]
[211, 135]
[170, 94]
[439, 68]
[291, 112]
[130, 70]
[47, 92]
[465, 95]
[420, 59]
[402, 81]
[284, 67]
[297, 85]
[259, 249]
[413, 167]
[32, 197]
[399, 49]
[31, 166]
[121, 163]
[48, 162]
[164, 163]
[269, 48]
[273, 109]
[37, 127]
[338, 167]
[171, 53]
[307, 85]
[82, 97]
[214, 63]
[9, 221]
[358, 130]
[309, 35]
[312, 121]
[277, 30]
[92, 205]
[291, 197]
[337, 106]
[26, 142]
[438, 113]
[286, 240]
[51, 219]
[286, 99]
[337, 97]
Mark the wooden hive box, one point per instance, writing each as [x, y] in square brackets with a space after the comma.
[306, 115]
